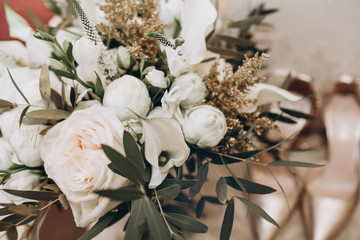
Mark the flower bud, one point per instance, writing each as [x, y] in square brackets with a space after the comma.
[124, 59]
[204, 126]
[157, 78]
[128, 95]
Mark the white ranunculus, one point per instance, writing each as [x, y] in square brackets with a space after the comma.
[24, 180]
[74, 159]
[198, 88]
[165, 147]
[24, 140]
[204, 126]
[128, 95]
[6, 153]
[87, 54]
[176, 62]
[157, 78]
[265, 93]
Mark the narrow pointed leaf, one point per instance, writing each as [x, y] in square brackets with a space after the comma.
[297, 114]
[133, 152]
[237, 41]
[63, 201]
[17, 87]
[137, 218]
[251, 187]
[246, 22]
[34, 195]
[22, 115]
[4, 211]
[286, 83]
[154, 221]
[6, 104]
[127, 193]
[227, 52]
[25, 210]
[259, 211]
[184, 183]
[176, 236]
[123, 166]
[35, 19]
[201, 176]
[48, 114]
[45, 88]
[99, 226]
[200, 207]
[228, 221]
[293, 164]
[277, 117]
[221, 189]
[169, 192]
[186, 223]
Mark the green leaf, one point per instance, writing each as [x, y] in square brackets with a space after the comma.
[227, 52]
[169, 192]
[228, 221]
[17, 87]
[99, 89]
[286, 83]
[35, 19]
[12, 233]
[293, 164]
[251, 187]
[200, 207]
[256, 209]
[6, 104]
[127, 193]
[62, 73]
[123, 166]
[277, 117]
[25, 209]
[5, 211]
[201, 176]
[137, 218]
[156, 224]
[184, 183]
[99, 226]
[44, 36]
[176, 236]
[242, 42]
[133, 152]
[22, 115]
[34, 195]
[45, 88]
[63, 201]
[221, 189]
[48, 114]
[186, 223]
[297, 114]
[246, 22]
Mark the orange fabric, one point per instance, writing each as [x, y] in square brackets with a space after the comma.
[36, 6]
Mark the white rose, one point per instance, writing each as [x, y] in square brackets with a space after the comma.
[195, 88]
[74, 159]
[127, 94]
[23, 180]
[157, 78]
[176, 62]
[204, 126]
[87, 54]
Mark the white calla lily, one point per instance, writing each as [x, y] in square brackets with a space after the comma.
[197, 19]
[265, 94]
[165, 147]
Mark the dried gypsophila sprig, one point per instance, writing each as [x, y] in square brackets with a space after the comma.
[229, 96]
[130, 21]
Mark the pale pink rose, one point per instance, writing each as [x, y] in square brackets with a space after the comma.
[74, 159]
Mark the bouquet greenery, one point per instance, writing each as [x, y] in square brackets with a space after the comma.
[117, 109]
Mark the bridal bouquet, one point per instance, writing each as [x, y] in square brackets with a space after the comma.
[118, 109]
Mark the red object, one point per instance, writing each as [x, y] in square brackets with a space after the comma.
[35, 6]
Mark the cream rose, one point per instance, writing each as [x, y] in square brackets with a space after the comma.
[204, 126]
[127, 95]
[194, 87]
[74, 159]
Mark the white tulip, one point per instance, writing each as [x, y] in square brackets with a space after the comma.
[204, 126]
[197, 92]
[128, 95]
[87, 54]
[157, 78]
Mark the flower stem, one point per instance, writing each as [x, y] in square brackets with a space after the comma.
[162, 212]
